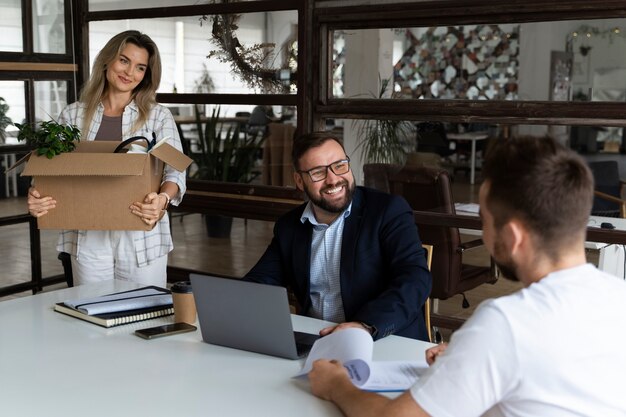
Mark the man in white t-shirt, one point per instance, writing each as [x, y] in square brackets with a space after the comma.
[556, 347]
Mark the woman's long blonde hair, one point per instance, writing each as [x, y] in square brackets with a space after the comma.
[144, 94]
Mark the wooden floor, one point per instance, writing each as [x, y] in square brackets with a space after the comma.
[193, 249]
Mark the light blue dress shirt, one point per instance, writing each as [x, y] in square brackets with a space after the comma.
[325, 288]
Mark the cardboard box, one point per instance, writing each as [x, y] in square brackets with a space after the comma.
[95, 187]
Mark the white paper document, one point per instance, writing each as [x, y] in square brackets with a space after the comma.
[467, 207]
[353, 347]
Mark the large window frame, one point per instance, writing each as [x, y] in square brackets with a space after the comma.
[30, 66]
[296, 100]
[330, 15]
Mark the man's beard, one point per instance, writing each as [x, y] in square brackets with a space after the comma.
[503, 262]
[320, 202]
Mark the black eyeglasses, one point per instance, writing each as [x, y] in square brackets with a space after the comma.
[320, 173]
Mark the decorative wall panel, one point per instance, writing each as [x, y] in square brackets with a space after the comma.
[460, 62]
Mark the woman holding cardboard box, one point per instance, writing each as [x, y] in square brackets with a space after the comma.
[119, 102]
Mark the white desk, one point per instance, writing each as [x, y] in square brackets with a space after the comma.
[56, 365]
[473, 137]
[612, 257]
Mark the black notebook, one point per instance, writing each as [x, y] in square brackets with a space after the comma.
[120, 308]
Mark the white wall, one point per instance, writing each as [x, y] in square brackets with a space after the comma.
[369, 55]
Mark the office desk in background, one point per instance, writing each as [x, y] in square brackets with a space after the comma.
[473, 137]
[611, 259]
[56, 365]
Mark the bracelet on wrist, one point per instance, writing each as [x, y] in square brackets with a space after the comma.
[167, 201]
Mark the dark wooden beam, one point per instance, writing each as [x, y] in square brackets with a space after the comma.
[195, 10]
[30, 286]
[464, 12]
[252, 99]
[485, 111]
[239, 200]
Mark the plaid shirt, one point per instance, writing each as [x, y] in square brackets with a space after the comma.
[149, 245]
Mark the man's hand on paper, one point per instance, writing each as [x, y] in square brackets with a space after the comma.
[433, 352]
[38, 205]
[327, 377]
[329, 380]
[331, 329]
[151, 210]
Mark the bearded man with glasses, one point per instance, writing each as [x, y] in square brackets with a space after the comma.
[350, 255]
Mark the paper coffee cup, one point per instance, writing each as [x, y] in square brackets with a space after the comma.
[184, 303]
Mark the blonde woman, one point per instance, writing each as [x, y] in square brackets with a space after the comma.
[119, 102]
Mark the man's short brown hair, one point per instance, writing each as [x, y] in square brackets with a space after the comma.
[544, 184]
[307, 141]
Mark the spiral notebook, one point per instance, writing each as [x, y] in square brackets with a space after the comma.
[120, 308]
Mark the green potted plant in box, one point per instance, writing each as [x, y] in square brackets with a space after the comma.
[49, 138]
[224, 155]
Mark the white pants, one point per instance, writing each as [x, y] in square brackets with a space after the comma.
[108, 254]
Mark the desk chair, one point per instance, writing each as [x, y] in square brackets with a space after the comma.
[428, 189]
[427, 306]
[66, 261]
[431, 137]
[607, 199]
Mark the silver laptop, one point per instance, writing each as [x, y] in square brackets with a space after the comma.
[247, 316]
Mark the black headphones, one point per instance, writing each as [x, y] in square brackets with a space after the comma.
[149, 143]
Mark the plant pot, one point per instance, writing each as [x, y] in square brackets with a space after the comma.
[218, 226]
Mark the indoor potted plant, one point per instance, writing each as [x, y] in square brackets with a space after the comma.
[228, 156]
[49, 138]
[4, 119]
[385, 141]
[384, 145]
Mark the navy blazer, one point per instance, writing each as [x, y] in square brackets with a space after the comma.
[384, 276]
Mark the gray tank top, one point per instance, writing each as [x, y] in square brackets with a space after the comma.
[110, 128]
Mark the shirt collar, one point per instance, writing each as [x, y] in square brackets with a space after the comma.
[309, 214]
[132, 105]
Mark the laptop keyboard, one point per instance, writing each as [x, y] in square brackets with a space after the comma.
[304, 342]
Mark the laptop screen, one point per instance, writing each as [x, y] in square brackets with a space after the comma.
[244, 315]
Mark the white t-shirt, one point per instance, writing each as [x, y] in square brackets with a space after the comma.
[556, 348]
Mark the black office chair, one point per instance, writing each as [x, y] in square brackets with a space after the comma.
[584, 139]
[607, 201]
[258, 122]
[66, 261]
[431, 137]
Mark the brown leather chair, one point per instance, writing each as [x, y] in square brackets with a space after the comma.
[428, 189]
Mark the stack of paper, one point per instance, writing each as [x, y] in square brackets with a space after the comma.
[353, 347]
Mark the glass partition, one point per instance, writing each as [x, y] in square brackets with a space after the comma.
[13, 94]
[11, 24]
[555, 61]
[50, 99]
[48, 26]
[237, 143]
[194, 63]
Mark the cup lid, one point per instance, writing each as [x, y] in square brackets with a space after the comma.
[182, 287]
